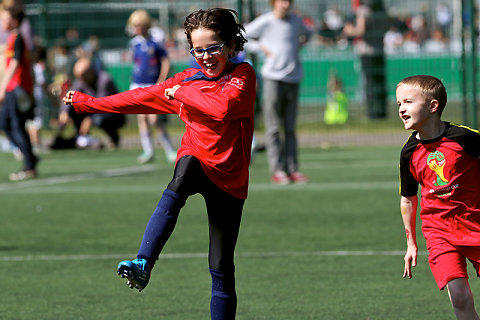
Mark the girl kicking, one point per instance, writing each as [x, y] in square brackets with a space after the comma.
[216, 103]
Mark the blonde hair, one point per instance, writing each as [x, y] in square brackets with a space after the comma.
[11, 3]
[140, 17]
[431, 88]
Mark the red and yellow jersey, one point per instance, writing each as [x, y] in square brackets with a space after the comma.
[16, 49]
[218, 114]
[448, 170]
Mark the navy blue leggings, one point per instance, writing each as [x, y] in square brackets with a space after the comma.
[224, 215]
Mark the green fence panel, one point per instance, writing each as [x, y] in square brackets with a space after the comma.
[314, 85]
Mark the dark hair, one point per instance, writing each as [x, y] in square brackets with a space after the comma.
[219, 20]
[431, 87]
[39, 53]
[16, 12]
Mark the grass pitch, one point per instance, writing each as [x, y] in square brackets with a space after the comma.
[330, 249]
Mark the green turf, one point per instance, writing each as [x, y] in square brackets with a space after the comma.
[63, 234]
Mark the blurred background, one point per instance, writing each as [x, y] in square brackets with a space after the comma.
[436, 37]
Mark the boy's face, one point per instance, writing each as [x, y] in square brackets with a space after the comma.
[212, 64]
[414, 109]
[8, 23]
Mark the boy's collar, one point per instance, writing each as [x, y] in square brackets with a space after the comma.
[436, 135]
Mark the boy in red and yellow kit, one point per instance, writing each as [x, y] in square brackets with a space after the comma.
[445, 160]
[16, 92]
[216, 104]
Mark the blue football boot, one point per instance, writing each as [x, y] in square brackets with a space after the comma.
[136, 271]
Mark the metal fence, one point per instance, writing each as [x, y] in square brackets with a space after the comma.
[422, 37]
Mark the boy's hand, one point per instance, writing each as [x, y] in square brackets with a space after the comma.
[170, 92]
[68, 98]
[410, 261]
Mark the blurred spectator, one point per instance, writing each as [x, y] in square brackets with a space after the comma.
[444, 17]
[279, 35]
[392, 40]
[16, 92]
[151, 65]
[437, 43]
[419, 26]
[333, 19]
[331, 26]
[368, 29]
[90, 49]
[60, 63]
[400, 22]
[40, 92]
[336, 109]
[410, 43]
[96, 84]
[72, 37]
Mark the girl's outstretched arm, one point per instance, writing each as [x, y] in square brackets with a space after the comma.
[149, 100]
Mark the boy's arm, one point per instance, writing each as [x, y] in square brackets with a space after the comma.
[7, 76]
[408, 207]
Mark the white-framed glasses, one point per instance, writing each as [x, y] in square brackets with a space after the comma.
[198, 53]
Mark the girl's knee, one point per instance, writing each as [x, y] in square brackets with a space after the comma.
[220, 264]
[171, 202]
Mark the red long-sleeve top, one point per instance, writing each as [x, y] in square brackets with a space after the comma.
[218, 114]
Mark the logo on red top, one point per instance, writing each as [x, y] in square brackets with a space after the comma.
[237, 83]
[436, 162]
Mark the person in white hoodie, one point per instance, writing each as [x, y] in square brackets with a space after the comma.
[279, 35]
